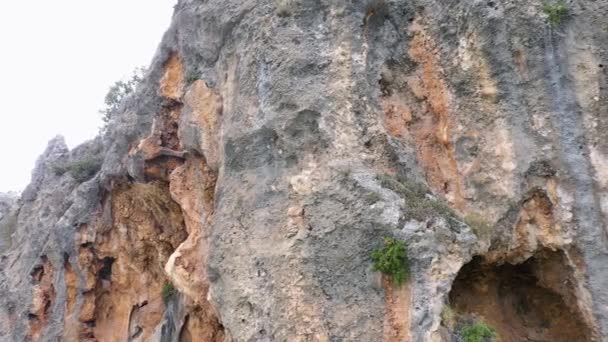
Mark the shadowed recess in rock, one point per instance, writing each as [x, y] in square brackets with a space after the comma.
[532, 301]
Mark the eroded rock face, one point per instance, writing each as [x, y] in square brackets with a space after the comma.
[272, 146]
[8, 214]
[7, 200]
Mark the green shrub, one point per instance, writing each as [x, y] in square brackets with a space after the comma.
[85, 169]
[167, 292]
[392, 260]
[478, 332]
[556, 13]
[81, 170]
[117, 93]
[60, 168]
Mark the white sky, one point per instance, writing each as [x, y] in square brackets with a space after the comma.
[58, 59]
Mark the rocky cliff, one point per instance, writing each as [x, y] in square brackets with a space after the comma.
[273, 145]
[8, 206]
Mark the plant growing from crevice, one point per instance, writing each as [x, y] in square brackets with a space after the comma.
[556, 13]
[117, 93]
[392, 260]
[81, 170]
[480, 226]
[478, 332]
[167, 292]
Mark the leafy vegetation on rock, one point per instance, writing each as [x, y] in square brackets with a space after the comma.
[117, 93]
[478, 332]
[168, 291]
[392, 260]
[81, 170]
[556, 13]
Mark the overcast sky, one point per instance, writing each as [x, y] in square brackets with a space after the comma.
[58, 59]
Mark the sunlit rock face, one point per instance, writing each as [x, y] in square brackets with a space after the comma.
[239, 192]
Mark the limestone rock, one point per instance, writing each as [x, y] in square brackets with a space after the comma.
[274, 144]
[8, 207]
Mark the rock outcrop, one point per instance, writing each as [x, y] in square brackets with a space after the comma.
[7, 200]
[239, 192]
[8, 204]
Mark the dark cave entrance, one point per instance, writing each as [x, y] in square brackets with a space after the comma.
[532, 301]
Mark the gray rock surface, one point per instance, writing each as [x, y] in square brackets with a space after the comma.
[310, 123]
[8, 204]
[7, 200]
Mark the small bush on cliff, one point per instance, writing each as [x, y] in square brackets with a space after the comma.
[81, 170]
[556, 13]
[478, 332]
[392, 260]
[117, 93]
[167, 292]
[59, 169]
[85, 169]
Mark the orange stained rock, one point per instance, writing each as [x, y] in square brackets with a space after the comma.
[204, 107]
[427, 122]
[43, 297]
[172, 82]
[397, 311]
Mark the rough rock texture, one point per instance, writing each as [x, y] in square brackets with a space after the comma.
[7, 200]
[273, 144]
[8, 204]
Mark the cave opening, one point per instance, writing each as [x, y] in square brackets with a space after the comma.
[531, 301]
[105, 270]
